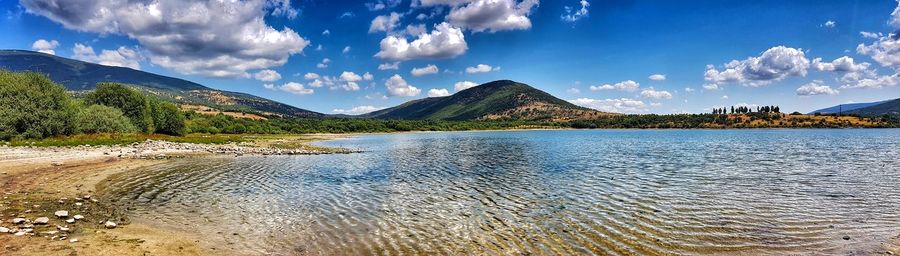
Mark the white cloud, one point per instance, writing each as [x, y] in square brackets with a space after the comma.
[816, 88]
[311, 76]
[876, 82]
[324, 63]
[851, 71]
[830, 24]
[444, 41]
[571, 16]
[358, 110]
[396, 86]
[414, 30]
[654, 94]
[326, 32]
[623, 105]
[481, 68]
[209, 38]
[388, 66]
[657, 77]
[293, 88]
[45, 46]
[427, 70]
[885, 51]
[319, 48]
[492, 15]
[376, 96]
[724, 97]
[368, 76]
[689, 89]
[346, 15]
[267, 75]
[462, 85]
[382, 4]
[627, 85]
[573, 90]
[349, 81]
[385, 23]
[269, 86]
[122, 57]
[871, 35]
[895, 17]
[438, 93]
[346, 50]
[774, 64]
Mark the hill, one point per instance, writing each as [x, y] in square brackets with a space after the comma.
[497, 100]
[845, 107]
[79, 76]
[890, 107]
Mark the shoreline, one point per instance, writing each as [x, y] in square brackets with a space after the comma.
[38, 182]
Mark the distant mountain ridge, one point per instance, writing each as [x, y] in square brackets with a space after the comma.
[497, 100]
[78, 75]
[885, 107]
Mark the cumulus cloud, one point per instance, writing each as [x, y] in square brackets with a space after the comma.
[895, 17]
[445, 41]
[851, 72]
[462, 85]
[122, 57]
[689, 89]
[876, 82]
[311, 76]
[885, 51]
[657, 77]
[349, 81]
[368, 76]
[326, 32]
[572, 15]
[829, 24]
[654, 94]
[481, 68]
[438, 93]
[774, 64]
[358, 110]
[396, 86]
[291, 87]
[267, 75]
[389, 66]
[346, 50]
[815, 88]
[385, 23]
[324, 63]
[623, 105]
[872, 35]
[209, 38]
[427, 70]
[627, 85]
[491, 15]
[45, 46]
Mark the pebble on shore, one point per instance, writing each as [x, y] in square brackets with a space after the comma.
[61, 214]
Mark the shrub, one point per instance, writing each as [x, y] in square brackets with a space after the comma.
[102, 119]
[131, 102]
[168, 119]
[32, 106]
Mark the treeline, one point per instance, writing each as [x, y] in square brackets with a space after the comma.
[33, 107]
[746, 110]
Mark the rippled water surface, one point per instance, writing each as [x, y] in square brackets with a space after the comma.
[666, 192]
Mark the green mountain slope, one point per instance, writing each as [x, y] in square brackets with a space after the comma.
[78, 76]
[890, 107]
[502, 99]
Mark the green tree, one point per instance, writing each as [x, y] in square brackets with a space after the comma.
[102, 119]
[132, 103]
[32, 106]
[167, 118]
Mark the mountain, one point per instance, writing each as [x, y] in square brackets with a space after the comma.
[80, 76]
[890, 107]
[502, 99]
[846, 107]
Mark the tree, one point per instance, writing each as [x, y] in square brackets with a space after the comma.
[131, 102]
[167, 118]
[32, 106]
[102, 119]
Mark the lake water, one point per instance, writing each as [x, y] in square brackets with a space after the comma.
[650, 192]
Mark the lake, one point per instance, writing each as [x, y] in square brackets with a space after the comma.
[650, 192]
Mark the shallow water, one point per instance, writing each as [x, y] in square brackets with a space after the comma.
[651, 192]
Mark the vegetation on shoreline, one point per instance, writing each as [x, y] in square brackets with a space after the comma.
[36, 111]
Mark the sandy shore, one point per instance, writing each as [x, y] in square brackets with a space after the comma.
[37, 183]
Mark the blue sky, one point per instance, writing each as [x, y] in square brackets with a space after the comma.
[594, 53]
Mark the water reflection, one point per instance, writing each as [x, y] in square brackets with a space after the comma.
[541, 192]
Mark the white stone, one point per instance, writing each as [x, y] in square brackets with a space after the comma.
[41, 221]
[78, 217]
[19, 220]
[61, 214]
[73, 240]
[20, 233]
[4, 230]
[109, 224]
[70, 221]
